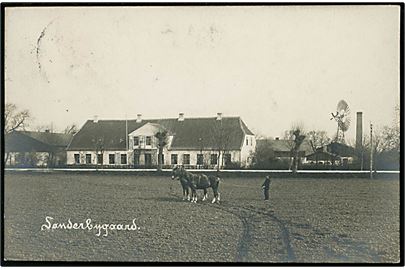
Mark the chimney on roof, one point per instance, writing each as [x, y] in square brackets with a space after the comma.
[181, 117]
[95, 119]
[139, 118]
[219, 116]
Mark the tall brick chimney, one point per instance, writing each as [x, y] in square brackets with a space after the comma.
[359, 130]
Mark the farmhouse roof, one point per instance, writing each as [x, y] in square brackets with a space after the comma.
[31, 141]
[189, 134]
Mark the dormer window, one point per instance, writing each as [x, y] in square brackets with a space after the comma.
[136, 140]
[148, 140]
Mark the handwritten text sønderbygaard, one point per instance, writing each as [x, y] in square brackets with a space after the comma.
[102, 229]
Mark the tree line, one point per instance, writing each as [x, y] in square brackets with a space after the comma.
[16, 119]
[385, 147]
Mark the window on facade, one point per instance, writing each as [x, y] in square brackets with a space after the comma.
[247, 141]
[123, 158]
[88, 158]
[186, 159]
[214, 159]
[111, 158]
[18, 158]
[227, 159]
[148, 140]
[174, 159]
[99, 158]
[77, 158]
[200, 159]
[136, 141]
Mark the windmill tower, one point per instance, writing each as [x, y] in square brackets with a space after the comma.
[342, 118]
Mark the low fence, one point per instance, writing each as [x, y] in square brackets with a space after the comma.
[222, 173]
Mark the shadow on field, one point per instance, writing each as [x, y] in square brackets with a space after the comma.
[159, 199]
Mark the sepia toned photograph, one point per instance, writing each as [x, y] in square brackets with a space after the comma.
[202, 134]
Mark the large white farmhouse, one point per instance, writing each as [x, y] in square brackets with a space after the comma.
[192, 142]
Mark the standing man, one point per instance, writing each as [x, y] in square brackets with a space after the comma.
[266, 187]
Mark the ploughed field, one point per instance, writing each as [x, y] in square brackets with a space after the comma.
[306, 220]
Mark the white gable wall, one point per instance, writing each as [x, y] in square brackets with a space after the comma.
[247, 150]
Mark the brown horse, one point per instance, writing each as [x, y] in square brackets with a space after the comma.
[184, 184]
[198, 181]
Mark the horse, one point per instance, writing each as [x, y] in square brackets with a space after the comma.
[198, 181]
[184, 185]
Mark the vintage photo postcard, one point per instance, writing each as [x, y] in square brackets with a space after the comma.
[202, 134]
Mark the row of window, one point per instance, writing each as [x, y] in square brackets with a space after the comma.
[148, 140]
[148, 159]
[139, 140]
[111, 159]
[200, 159]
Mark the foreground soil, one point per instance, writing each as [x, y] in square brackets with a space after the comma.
[306, 220]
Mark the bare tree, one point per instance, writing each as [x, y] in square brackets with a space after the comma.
[386, 147]
[264, 155]
[386, 144]
[15, 119]
[221, 136]
[318, 139]
[98, 144]
[71, 129]
[390, 135]
[289, 142]
[390, 138]
[294, 139]
[162, 141]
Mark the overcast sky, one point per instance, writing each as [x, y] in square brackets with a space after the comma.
[273, 66]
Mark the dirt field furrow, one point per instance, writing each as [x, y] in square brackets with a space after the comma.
[306, 220]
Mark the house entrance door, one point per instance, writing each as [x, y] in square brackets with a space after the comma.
[148, 160]
[136, 160]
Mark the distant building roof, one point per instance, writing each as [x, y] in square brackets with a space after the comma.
[281, 145]
[191, 133]
[54, 139]
[31, 141]
[340, 149]
[320, 155]
[333, 150]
